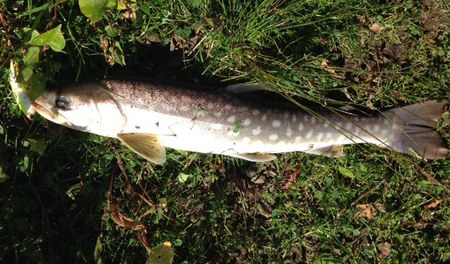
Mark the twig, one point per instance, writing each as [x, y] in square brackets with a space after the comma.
[430, 178]
[130, 188]
[360, 198]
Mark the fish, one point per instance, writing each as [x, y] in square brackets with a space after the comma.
[150, 116]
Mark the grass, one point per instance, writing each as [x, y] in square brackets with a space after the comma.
[372, 206]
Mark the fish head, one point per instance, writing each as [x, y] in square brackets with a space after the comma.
[87, 107]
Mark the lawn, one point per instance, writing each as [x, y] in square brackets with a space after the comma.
[80, 198]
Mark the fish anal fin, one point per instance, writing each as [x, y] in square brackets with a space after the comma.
[335, 151]
[146, 145]
[255, 157]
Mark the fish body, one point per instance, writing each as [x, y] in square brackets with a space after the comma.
[149, 116]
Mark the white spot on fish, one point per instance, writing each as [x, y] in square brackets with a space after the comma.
[325, 125]
[298, 139]
[276, 123]
[256, 112]
[218, 114]
[289, 132]
[341, 138]
[217, 126]
[309, 134]
[264, 117]
[329, 136]
[256, 131]
[231, 119]
[376, 128]
[232, 133]
[313, 120]
[384, 132]
[246, 140]
[294, 118]
[247, 122]
[348, 126]
[320, 136]
[301, 127]
[273, 137]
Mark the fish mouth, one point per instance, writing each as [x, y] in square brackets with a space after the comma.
[49, 112]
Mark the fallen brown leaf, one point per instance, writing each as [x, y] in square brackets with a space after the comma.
[384, 250]
[121, 219]
[365, 211]
[375, 27]
[433, 204]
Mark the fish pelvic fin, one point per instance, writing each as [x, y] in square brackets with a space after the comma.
[415, 131]
[335, 151]
[147, 146]
[255, 157]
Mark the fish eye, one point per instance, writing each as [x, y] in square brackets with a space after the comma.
[62, 103]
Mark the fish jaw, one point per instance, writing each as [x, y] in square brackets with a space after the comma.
[42, 106]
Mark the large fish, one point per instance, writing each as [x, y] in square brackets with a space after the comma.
[147, 117]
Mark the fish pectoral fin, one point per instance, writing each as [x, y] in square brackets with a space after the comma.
[146, 145]
[255, 157]
[336, 151]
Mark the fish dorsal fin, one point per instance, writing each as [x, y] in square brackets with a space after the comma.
[146, 145]
[255, 157]
[336, 151]
[246, 88]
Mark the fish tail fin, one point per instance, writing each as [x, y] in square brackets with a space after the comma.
[415, 132]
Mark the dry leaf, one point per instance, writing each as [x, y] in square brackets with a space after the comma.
[328, 68]
[433, 204]
[365, 210]
[376, 27]
[384, 250]
[122, 220]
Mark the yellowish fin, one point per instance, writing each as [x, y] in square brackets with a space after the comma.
[336, 151]
[146, 145]
[256, 157]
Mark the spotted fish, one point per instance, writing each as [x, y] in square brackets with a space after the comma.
[148, 117]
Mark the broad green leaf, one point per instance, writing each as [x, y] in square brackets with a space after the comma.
[111, 4]
[111, 32]
[18, 89]
[161, 254]
[32, 56]
[182, 177]
[346, 172]
[38, 145]
[53, 38]
[26, 72]
[93, 9]
[184, 32]
[117, 53]
[36, 85]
